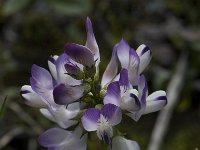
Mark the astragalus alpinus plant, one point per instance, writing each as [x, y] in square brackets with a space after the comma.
[73, 94]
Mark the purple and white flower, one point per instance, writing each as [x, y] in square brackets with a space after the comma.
[63, 115]
[64, 94]
[134, 61]
[52, 91]
[122, 94]
[47, 87]
[32, 98]
[120, 143]
[91, 42]
[149, 103]
[60, 139]
[135, 101]
[43, 92]
[87, 55]
[80, 54]
[102, 121]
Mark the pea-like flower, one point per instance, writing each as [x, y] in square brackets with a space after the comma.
[87, 55]
[120, 143]
[41, 92]
[60, 139]
[72, 95]
[149, 103]
[134, 61]
[122, 94]
[63, 85]
[136, 101]
[102, 121]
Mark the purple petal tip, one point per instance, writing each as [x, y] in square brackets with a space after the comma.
[24, 92]
[124, 81]
[51, 59]
[80, 54]
[145, 49]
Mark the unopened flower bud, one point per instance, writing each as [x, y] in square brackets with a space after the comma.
[87, 87]
[89, 71]
[74, 71]
[102, 93]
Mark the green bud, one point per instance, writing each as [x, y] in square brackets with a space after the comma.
[89, 71]
[87, 88]
[74, 71]
[99, 106]
[102, 93]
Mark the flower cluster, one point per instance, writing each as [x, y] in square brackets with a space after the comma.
[74, 96]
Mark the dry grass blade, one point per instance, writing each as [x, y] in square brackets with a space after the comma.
[4, 140]
[25, 117]
[3, 107]
[173, 91]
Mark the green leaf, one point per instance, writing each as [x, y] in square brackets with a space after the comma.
[71, 7]
[12, 6]
[3, 106]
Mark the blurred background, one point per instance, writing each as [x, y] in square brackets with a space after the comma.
[32, 30]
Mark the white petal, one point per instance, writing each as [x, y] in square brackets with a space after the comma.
[78, 144]
[117, 77]
[32, 98]
[116, 119]
[42, 83]
[120, 143]
[134, 91]
[73, 109]
[111, 69]
[56, 117]
[54, 138]
[70, 112]
[123, 53]
[59, 139]
[45, 112]
[130, 101]
[64, 115]
[83, 143]
[62, 77]
[155, 101]
[42, 78]
[52, 66]
[91, 41]
[155, 95]
[145, 57]
[67, 123]
[133, 68]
